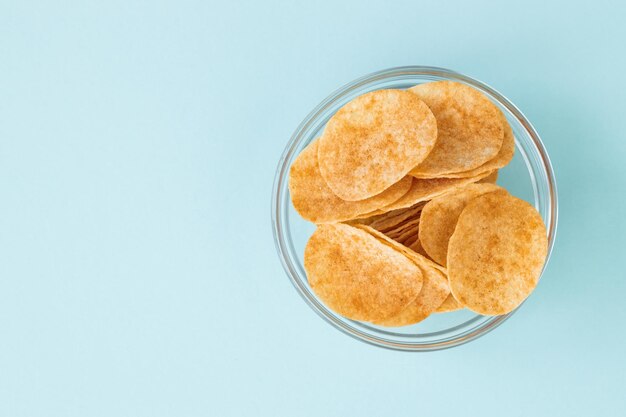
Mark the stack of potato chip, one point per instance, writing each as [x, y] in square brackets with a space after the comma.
[410, 221]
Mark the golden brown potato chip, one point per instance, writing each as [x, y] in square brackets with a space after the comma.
[427, 189]
[410, 242]
[469, 125]
[502, 159]
[315, 202]
[449, 304]
[357, 276]
[416, 246]
[405, 236]
[490, 179]
[496, 254]
[364, 217]
[440, 215]
[434, 290]
[373, 141]
[410, 225]
[399, 247]
[391, 219]
[400, 225]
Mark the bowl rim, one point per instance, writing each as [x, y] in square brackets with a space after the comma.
[281, 176]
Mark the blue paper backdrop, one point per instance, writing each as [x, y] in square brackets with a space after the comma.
[138, 142]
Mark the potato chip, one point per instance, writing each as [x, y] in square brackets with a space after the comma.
[317, 203]
[434, 291]
[449, 304]
[399, 247]
[399, 225]
[357, 276]
[391, 219]
[427, 189]
[496, 254]
[410, 241]
[373, 141]
[366, 216]
[470, 130]
[408, 226]
[502, 159]
[416, 246]
[406, 235]
[490, 179]
[440, 215]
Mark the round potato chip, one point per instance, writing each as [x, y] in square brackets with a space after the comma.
[416, 246]
[440, 215]
[434, 290]
[406, 236]
[364, 217]
[426, 189]
[449, 304]
[410, 242]
[315, 202]
[490, 179]
[391, 219]
[504, 156]
[496, 254]
[401, 248]
[400, 225]
[357, 276]
[409, 226]
[374, 141]
[469, 125]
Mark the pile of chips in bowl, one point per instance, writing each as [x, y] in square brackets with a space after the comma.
[410, 222]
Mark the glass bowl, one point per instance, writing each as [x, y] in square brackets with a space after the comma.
[528, 176]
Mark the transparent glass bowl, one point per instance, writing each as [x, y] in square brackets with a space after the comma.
[529, 176]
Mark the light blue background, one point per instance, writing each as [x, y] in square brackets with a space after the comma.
[138, 142]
